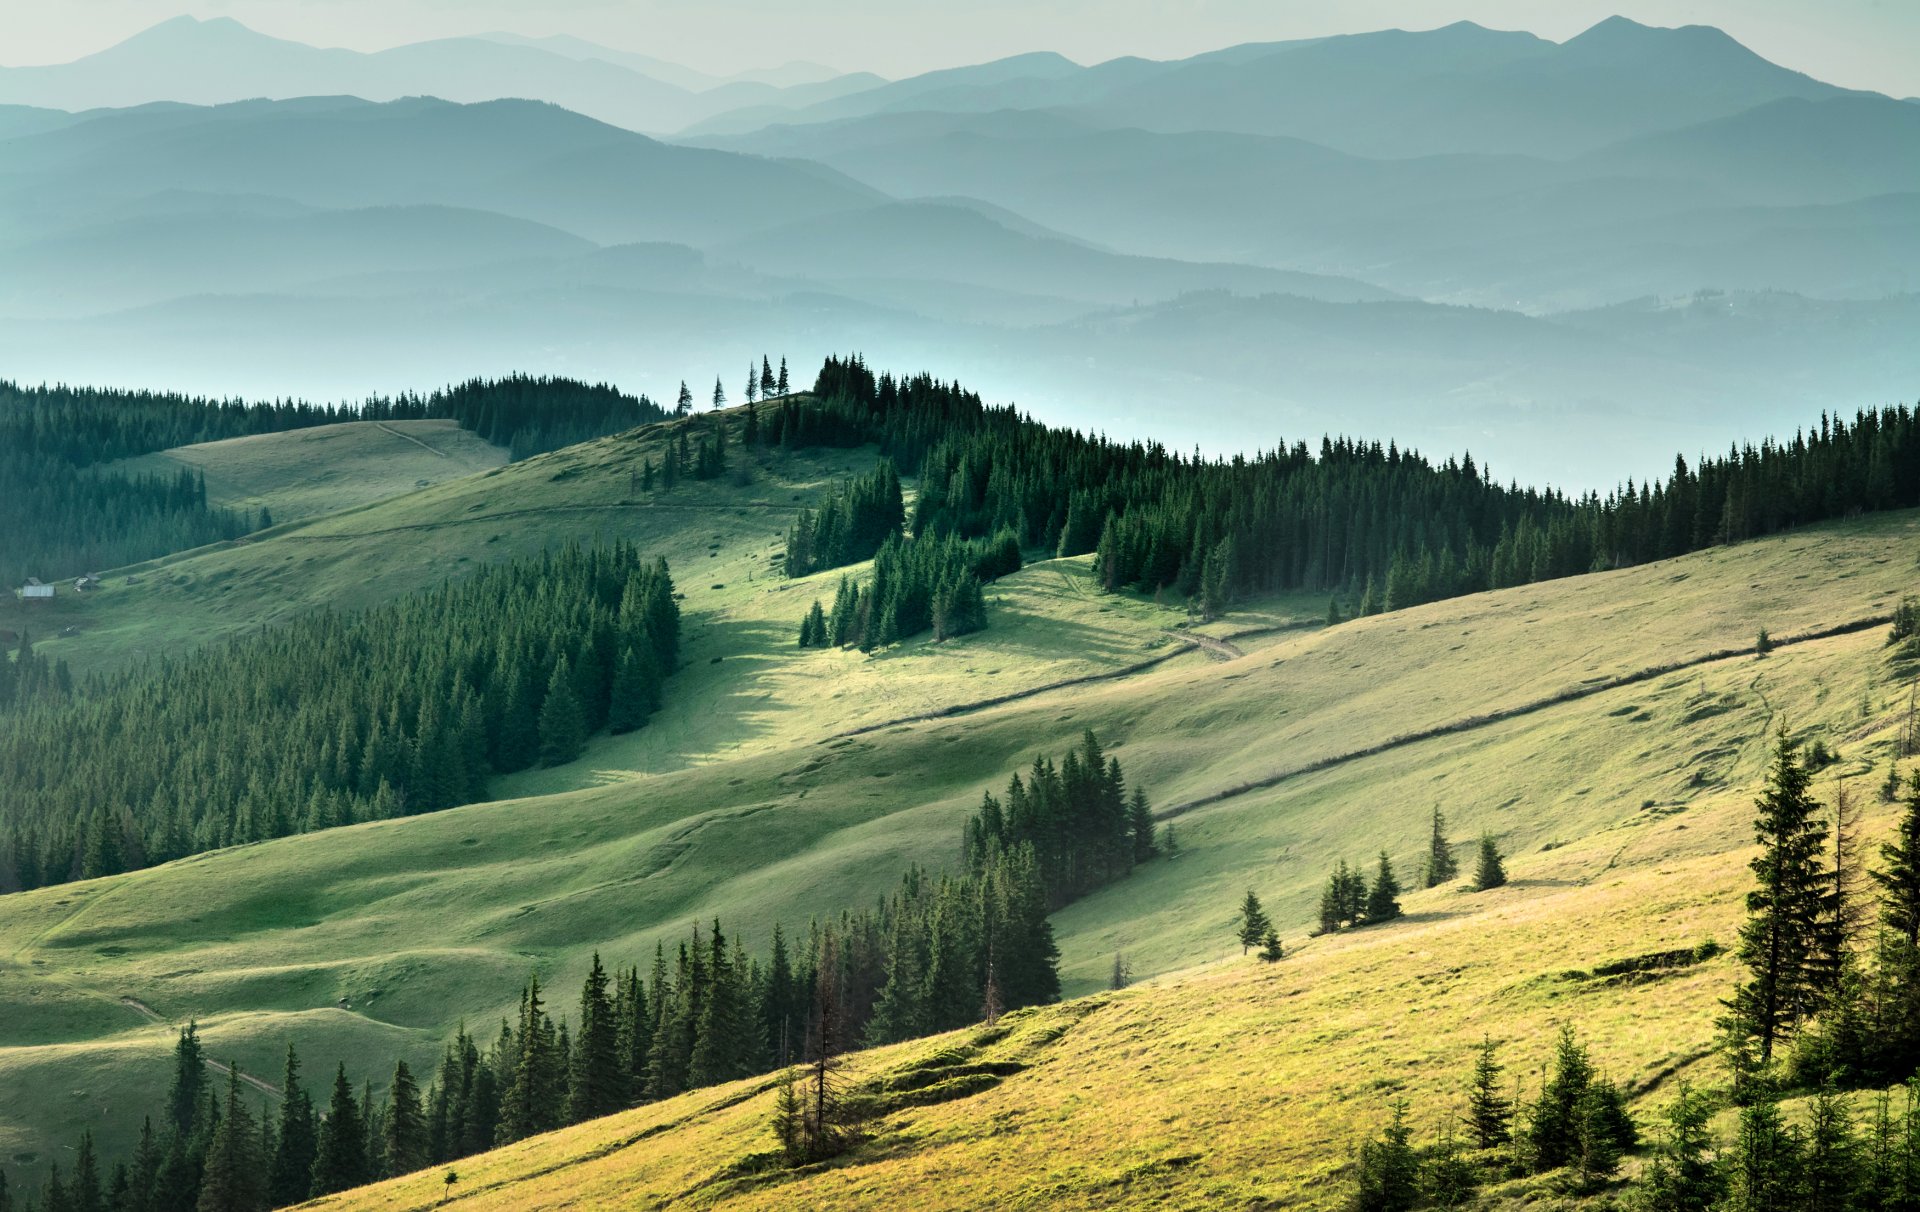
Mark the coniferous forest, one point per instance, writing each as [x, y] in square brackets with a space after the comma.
[938, 953]
[332, 719]
[1380, 527]
[63, 515]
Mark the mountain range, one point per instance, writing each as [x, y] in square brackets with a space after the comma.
[1463, 236]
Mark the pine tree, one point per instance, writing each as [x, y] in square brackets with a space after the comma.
[340, 1155]
[1683, 1176]
[1489, 1113]
[1387, 1171]
[1553, 1130]
[1270, 949]
[1140, 825]
[1831, 1167]
[404, 1132]
[235, 1177]
[1383, 899]
[1441, 866]
[290, 1176]
[1765, 1165]
[563, 729]
[187, 1096]
[1254, 924]
[597, 1084]
[1899, 877]
[84, 1193]
[683, 403]
[1788, 941]
[719, 395]
[1491, 872]
[1597, 1118]
[780, 384]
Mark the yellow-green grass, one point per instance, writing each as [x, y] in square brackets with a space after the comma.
[304, 473]
[415, 923]
[1231, 1085]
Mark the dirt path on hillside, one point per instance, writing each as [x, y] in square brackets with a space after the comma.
[221, 1067]
[1218, 649]
[407, 437]
[1496, 717]
[1187, 642]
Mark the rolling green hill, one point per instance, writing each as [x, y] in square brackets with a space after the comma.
[302, 473]
[1540, 714]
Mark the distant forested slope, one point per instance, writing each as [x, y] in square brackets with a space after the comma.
[1377, 528]
[334, 719]
[62, 515]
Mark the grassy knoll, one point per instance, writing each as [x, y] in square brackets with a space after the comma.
[304, 473]
[1625, 812]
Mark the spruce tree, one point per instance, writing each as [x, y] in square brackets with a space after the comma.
[1831, 1170]
[1899, 876]
[1441, 866]
[1683, 1175]
[597, 1084]
[1254, 925]
[1491, 871]
[1140, 825]
[1489, 1112]
[1383, 899]
[1765, 1166]
[235, 1177]
[1788, 942]
[84, 1194]
[1270, 949]
[404, 1132]
[563, 730]
[290, 1176]
[187, 1095]
[1387, 1171]
[340, 1154]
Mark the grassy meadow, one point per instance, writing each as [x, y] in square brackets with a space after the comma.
[1624, 811]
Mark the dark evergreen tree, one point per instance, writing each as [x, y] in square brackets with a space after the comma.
[1788, 942]
[1489, 1112]
[1441, 867]
[1683, 1175]
[563, 729]
[1383, 898]
[1765, 1166]
[1387, 1170]
[1254, 925]
[598, 1083]
[404, 1128]
[340, 1154]
[1491, 870]
[236, 1177]
[290, 1174]
[1270, 949]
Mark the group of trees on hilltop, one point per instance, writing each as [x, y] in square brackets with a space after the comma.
[937, 954]
[334, 718]
[919, 583]
[1380, 527]
[1085, 826]
[63, 513]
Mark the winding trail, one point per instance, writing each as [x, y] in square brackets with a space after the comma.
[407, 437]
[1186, 641]
[221, 1067]
[1496, 717]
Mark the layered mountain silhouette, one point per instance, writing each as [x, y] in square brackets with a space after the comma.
[1472, 238]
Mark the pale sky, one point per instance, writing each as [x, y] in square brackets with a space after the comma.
[1857, 43]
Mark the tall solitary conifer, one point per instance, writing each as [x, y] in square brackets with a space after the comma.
[1789, 942]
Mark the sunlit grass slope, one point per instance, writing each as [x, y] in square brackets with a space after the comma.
[370, 942]
[303, 473]
[1235, 1084]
